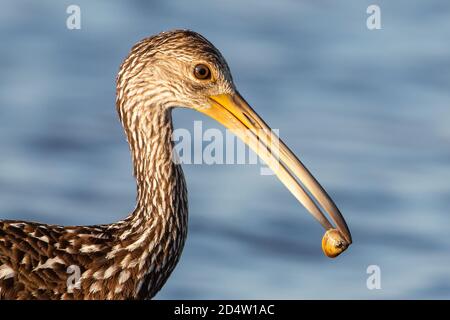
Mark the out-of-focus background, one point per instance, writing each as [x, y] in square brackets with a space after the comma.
[367, 111]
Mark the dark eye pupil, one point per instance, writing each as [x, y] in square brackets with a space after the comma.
[201, 71]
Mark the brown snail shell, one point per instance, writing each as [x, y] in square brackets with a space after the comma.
[333, 243]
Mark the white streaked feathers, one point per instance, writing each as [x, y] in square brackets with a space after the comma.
[49, 263]
[6, 272]
[87, 248]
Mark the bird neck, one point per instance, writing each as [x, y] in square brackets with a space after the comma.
[151, 148]
[148, 128]
[156, 231]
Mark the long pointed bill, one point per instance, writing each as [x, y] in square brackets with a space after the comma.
[235, 114]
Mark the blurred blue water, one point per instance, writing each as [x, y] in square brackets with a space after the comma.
[367, 111]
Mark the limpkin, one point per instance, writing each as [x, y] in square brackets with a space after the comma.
[133, 258]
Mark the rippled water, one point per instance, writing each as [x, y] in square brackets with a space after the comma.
[367, 111]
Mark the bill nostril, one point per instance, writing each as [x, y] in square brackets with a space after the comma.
[249, 118]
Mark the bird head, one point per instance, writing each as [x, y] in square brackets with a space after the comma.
[181, 68]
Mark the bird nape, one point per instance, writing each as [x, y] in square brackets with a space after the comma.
[132, 258]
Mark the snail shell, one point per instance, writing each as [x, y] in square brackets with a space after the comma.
[333, 243]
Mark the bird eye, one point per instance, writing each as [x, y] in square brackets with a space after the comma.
[202, 72]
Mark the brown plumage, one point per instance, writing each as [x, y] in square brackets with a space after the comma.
[132, 259]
